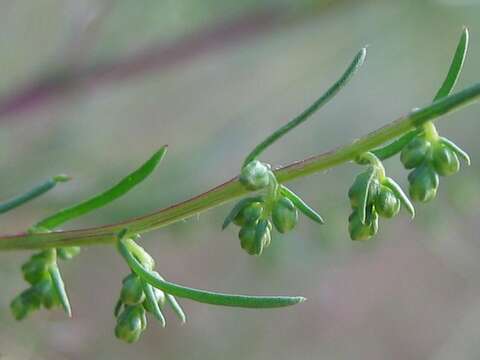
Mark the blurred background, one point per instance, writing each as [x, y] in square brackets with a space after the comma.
[92, 88]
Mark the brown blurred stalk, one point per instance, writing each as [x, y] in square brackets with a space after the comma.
[62, 82]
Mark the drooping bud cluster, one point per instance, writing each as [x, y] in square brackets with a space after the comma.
[137, 298]
[373, 195]
[132, 307]
[255, 225]
[131, 322]
[362, 194]
[429, 159]
[37, 272]
[257, 216]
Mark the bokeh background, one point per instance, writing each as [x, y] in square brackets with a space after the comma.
[111, 81]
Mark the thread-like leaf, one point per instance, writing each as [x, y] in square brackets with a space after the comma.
[31, 194]
[459, 151]
[203, 296]
[396, 146]
[400, 195]
[152, 301]
[118, 307]
[59, 287]
[177, 309]
[445, 89]
[106, 197]
[363, 200]
[301, 205]
[455, 67]
[328, 95]
[237, 208]
[95, 202]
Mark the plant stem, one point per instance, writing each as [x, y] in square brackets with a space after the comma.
[233, 189]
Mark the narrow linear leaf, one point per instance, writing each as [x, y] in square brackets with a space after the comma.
[31, 194]
[106, 197]
[455, 67]
[395, 146]
[177, 309]
[118, 307]
[445, 89]
[203, 296]
[148, 263]
[454, 147]
[59, 286]
[260, 230]
[401, 195]
[362, 208]
[139, 252]
[152, 301]
[237, 208]
[301, 205]
[327, 96]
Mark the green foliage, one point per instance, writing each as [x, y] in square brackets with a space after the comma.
[373, 195]
[33, 193]
[145, 288]
[46, 261]
[357, 62]
[106, 197]
[445, 89]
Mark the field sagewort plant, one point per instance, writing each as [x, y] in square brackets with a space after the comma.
[373, 195]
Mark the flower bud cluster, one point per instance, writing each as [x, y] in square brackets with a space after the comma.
[372, 195]
[36, 271]
[428, 159]
[256, 226]
[257, 216]
[132, 307]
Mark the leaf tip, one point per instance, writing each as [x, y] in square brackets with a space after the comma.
[225, 224]
[362, 54]
[62, 178]
[301, 299]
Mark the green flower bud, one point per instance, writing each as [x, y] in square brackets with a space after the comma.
[386, 203]
[130, 324]
[255, 175]
[423, 183]
[445, 160]
[254, 238]
[48, 294]
[359, 231]
[358, 188]
[68, 253]
[267, 236]
[132, 290]
[247, 240]
[415, 152]
[20, 309]
[35, 270]
[249, 214]
[22, 305]
[159, 296]
[284, 215]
